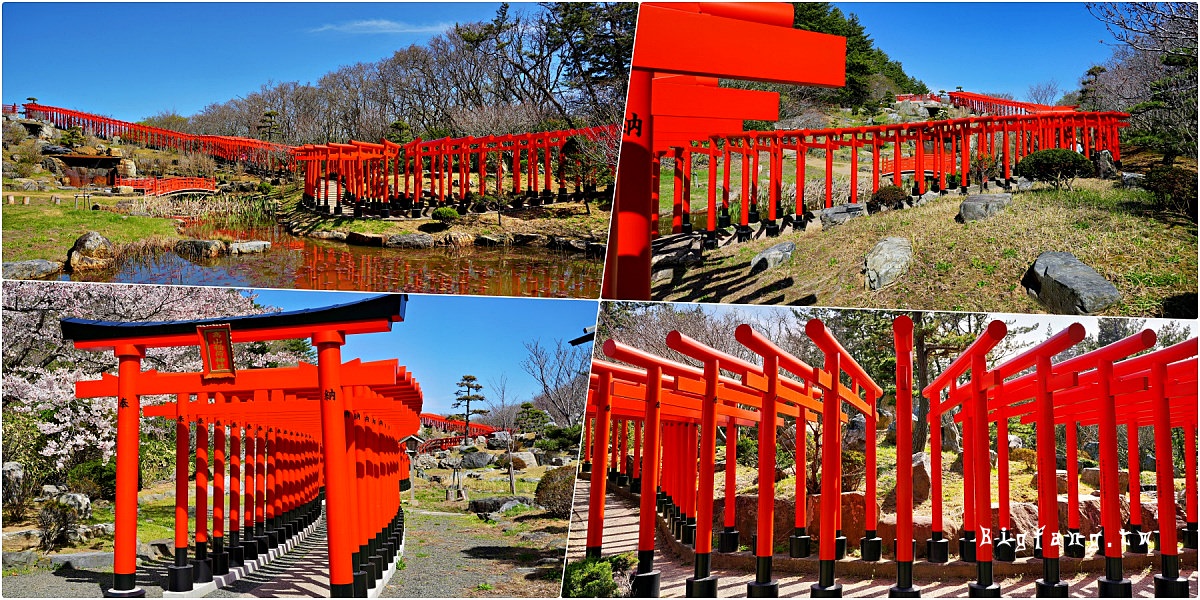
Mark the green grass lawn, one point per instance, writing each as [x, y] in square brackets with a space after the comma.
[44, 230]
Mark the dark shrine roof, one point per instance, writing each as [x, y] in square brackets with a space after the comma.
[389, 306]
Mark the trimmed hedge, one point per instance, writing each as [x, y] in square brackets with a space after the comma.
[1059, 167]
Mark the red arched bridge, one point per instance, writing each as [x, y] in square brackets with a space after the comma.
[168, 186]
[285, 443]
[375, 179]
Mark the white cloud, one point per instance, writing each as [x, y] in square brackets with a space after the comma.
[381, 26]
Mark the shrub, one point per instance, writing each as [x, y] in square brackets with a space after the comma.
[854, 469]
[56, 521]
[94, 478]
[1059, 167]
[890, 196]
[556, 491]
[559, 439]
[1025, 455]
[589, 578]
[1174, 188]
[265, 188]
[747, 451]
[517, 461]
[445, 215]
[18, 497]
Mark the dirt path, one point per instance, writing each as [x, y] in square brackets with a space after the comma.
[454, 556]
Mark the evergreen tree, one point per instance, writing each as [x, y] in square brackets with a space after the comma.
[467, 393]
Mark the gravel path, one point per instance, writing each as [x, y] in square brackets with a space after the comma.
[453, 556]
[620, 535]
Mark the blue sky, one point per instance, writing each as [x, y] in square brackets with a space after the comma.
[987, 46]
[134, 60]
[446, 337]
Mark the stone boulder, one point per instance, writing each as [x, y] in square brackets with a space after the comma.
[855, 435]
[499, 440]
[201, 249]
[567, 244]
[253, 247]
[1060, 481]
[528, 239]
[951, 438]
[527, 457]
[1132, 180]
[1015, 442]
[476, 460]
[366, 239]
[842, 213]
[887, 262]
[412, 241]
[80, 502]
[1065, 285]
[982, 206]
[854, 511]
[497, 504]
[493, 240]
[456, 239]
[1092, 449]
[426, 461]
[921, 481]
[13, 474]
[772, 257]
[91, 252]
[1091, 476]
[32, 269]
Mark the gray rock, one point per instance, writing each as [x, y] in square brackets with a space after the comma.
[559, 461]
[80, 502]
[1015, 442]
[596, 250]
[982, 206]
[1064, 285]
[1131, 180]
[410, 241]
[511, 504]
[18, 560]
[55, 149]
[338, 236]
[366, 239]
[32, 269]
[772, 257]
[201, 249]
[253, 247]
[90, 252]
[855, 435]
[425, 461]
[1148, 463]
[1105, 167]
[82, 560]
[887, 262]
[840, 214]
[951, 438]
[528, 239]
[490, 241]
[13, 474]
[527, 457]
[496, 503]
[50, 491]
[499, 440]
[567, 244]
[477, 460]
[1092, 449]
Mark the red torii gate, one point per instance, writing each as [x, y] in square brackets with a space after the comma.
[163, 186]
[677, 398]
[662, 30]
[981, 103]
[257, 153]
[359, 428]
[385, 177]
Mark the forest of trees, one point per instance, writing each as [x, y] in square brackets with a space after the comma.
[1151, 75]
[552, 66]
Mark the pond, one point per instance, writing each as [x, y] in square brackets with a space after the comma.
[306, 263]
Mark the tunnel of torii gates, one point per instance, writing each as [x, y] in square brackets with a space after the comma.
[375, 179]
[675, 108]
[333, 433]
[674, 411]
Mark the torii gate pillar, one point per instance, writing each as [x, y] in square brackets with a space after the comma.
[125, 508]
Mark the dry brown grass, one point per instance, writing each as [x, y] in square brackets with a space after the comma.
[1150, 256]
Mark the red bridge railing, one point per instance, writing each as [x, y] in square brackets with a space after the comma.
[444, 424]
[11, 109]
[162, 186]
[918, 98]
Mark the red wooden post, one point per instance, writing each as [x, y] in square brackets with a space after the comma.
[728, 538]
[677, 190]
[237, 555]
[179, 575]
[595, 533]
[800, 543]
[129, 360]
[219, 555]
[902, 331]
[333, 444]
[202, 566]
[629, 270]
[763, 585]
